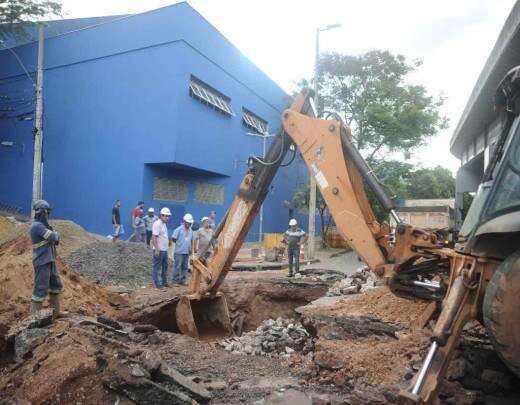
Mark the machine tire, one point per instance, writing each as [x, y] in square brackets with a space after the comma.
[501, 311]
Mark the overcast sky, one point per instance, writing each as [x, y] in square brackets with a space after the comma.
[452, 37]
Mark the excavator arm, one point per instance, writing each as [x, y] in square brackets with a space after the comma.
[414, 264]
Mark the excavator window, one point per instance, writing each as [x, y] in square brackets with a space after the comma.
[506, 198]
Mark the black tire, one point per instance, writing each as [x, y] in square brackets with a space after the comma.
[501, 310]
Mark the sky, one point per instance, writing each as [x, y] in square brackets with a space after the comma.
[452, 38]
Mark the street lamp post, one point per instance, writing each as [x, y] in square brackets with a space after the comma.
[312, 181]
[261, 216]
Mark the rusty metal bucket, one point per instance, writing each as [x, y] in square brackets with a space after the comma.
[203, 317]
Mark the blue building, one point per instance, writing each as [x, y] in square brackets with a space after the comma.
[155, 106]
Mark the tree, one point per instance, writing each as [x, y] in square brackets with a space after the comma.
[403, 181]
[15, 12]
[431, 183]
[371, 93]
[301, 201]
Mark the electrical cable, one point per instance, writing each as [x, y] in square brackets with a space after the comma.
[20, 62]
[263, 162]
[291, 160]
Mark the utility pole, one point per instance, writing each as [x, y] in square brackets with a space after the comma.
[312, 181]
[261, 217]
[38, 127]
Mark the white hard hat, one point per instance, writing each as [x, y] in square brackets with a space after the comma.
[204, 219]
[293, 222]
[151, 209]
[165, 211]
[188, 218]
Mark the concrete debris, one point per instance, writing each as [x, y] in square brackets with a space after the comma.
[170, 375]
[38, 320]
[27, 340]
[361, 281]
[151, 361]
[280, 337]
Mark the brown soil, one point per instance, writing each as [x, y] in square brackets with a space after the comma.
[374, 360]
[261, 299]
[10, 230]
[16, 283]
[381, 303]
[380, 360]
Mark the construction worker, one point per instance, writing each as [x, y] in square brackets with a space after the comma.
[149, 221]
[160, 248]
[294, 237]
[182, 237]
[140, 227]
[203, 240]
[47, 280]
[212, 219]
[135, 213]
[116, 221]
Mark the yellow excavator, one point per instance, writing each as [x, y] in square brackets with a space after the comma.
[478, 279]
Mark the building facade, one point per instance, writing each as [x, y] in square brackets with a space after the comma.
[158, 107]
[479, 126]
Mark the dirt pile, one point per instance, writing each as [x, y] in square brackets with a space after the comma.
[82, 360]
[103, 262]
[10, 228]
[374, 340]
[16, 283]
[73, 236]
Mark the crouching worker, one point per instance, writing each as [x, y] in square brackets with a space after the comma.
[47, 281]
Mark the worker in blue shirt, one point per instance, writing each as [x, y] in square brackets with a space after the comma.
[47, 280]
[182, 237]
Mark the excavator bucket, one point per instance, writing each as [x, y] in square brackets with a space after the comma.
[203, 317]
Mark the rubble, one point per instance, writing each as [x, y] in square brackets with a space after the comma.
[39, 319]
[361, 281]
[126, 264]
[27, 340]
[272, 338]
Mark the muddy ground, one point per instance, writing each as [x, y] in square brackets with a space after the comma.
[125, 347]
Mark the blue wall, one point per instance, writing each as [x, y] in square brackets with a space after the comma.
[118, 112]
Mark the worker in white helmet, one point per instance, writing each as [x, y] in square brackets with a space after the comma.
[182, 237]
[294, 237]
[160, 249]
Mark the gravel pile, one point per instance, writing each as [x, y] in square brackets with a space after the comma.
[124, 263]
[272, 338]
[361, 281]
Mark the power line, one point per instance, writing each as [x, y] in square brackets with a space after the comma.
[19, 62]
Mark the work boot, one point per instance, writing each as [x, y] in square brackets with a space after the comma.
[36, 306]
[54, 301]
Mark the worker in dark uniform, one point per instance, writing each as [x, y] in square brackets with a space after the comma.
[46, 278]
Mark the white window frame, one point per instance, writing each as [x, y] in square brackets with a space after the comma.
[204, 93]
[254, 122]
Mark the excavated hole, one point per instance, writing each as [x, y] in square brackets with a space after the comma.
[250, 303]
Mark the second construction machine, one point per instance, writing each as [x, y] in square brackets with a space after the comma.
[479, 279]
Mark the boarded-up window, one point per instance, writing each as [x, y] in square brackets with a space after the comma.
[169, 189]
[209, 193]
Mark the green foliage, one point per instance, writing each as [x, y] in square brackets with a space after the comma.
[15, 12]
[403, 182]
[385, 113]
[431, 183]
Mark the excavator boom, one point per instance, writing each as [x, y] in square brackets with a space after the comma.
[413, 264]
